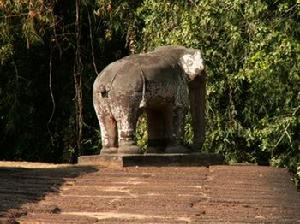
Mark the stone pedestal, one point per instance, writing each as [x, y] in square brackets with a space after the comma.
[152, 159]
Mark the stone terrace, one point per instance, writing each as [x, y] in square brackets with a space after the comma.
[40, 193]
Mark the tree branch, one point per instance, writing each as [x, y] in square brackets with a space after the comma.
[52, 97]
[91, 41]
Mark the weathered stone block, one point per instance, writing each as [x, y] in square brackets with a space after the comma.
[152, 159]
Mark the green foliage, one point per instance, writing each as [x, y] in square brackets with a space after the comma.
[252, 53]
[119, 19]
[36, 52]
[252, 57]
[188, 130]
[141, 135]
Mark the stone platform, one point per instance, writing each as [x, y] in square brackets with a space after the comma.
[152, 159]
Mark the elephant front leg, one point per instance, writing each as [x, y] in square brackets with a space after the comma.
[126, 131]
[198, 107]
[174, 127]
[156, 131]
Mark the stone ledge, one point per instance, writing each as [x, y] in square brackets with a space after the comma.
[152, 159]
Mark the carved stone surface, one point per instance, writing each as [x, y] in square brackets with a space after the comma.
[164, 83]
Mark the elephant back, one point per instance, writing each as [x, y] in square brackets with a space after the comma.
[156, 67]
[119, 77]
[151, 72]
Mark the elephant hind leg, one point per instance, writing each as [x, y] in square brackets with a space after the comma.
[126, 131]
[109, 134]
[107, 123]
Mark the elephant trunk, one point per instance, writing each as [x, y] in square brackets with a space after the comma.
[197, 97]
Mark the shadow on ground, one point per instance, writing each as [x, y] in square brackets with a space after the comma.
[20, 186]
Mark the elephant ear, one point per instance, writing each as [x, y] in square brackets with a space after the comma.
[192, 64]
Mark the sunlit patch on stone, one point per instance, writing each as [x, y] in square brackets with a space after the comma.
[192, 64]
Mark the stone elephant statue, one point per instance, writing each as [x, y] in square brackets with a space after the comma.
[165, 83]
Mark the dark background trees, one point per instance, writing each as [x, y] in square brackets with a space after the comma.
[251, 51]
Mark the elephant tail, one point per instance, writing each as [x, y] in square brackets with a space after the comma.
[143, 101]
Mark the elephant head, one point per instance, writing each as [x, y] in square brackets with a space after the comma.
[193, 66]
[191, 62]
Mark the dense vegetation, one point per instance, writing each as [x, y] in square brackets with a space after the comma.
[50, 52]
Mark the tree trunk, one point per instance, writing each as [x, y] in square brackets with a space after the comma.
[78, 88]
